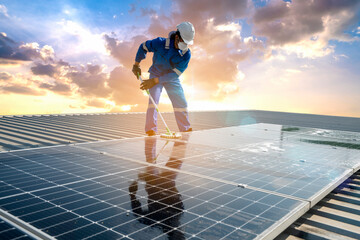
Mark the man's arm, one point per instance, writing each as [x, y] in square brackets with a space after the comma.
[147, 46]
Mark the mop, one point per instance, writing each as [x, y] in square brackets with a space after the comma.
[168, 134]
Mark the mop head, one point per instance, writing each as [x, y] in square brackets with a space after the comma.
[172, 135]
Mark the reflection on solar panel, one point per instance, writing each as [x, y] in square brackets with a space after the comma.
[242, 182]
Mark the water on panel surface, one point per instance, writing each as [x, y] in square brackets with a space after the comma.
[282, 159]
[89, 194]
[157, 189]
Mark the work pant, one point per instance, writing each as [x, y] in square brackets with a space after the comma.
[177, 97]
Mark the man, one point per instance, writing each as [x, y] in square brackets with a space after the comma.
[171, 58]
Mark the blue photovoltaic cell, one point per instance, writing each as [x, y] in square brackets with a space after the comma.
[150, 188]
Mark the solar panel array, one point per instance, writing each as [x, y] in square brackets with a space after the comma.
[245, 182]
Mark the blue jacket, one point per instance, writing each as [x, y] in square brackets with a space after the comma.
[168, 62]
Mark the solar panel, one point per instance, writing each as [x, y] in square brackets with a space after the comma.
[231, 183]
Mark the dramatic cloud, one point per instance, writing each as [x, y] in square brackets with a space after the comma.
[19, 89]
[6, 46]
[75, 39]
[122, 82]
[6, 62]
[200, 11]
[291, 22]
[125, 87]
[58, 88]
[124, 51]
[232, 36]
[56, 69]
[88, 81]
[91, 81]
[4, 76]
[11, 50]
[44, 69]
[96, 103]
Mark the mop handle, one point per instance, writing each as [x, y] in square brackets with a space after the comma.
[156, 107]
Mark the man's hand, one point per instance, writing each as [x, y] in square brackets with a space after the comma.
[136, 70]
[147, 84]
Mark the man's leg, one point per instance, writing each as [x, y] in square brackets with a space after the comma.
[177, 97]
[151, 114]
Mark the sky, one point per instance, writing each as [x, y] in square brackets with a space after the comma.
[67, 56]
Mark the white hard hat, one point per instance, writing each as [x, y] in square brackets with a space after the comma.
[187, 32]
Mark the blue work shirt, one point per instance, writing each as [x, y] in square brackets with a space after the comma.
[168, 62]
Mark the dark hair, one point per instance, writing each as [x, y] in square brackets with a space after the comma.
[172, 36]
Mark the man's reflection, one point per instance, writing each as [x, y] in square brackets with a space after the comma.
[165, 206]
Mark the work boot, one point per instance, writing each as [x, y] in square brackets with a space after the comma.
[151, 133]
[189, 130]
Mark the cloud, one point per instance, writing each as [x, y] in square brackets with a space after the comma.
[58, 88]
[11, 51]
[293, 22]
[125, 87]
[4, 76]
[19, 89]
[3, 11]
[124, 51]
[88, 81]
[201, 10]
[26, 52]
[6, 46]
[44, 69]
[132, 8]
[96, 103]
[215, 71]
[9, 63]
[76, 39]
[100, 103]
[148, 12]
[27, 84]
[91, 80]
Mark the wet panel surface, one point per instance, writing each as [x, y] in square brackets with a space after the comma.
[157, 189]
[136, 200]
[282, 159]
